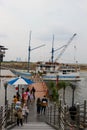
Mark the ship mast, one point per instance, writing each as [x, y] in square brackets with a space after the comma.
[52, 57]
[29, 49]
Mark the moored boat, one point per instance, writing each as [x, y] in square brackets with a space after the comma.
[52, 71]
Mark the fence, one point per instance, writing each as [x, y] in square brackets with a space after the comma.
[7, 116]
[64, 118]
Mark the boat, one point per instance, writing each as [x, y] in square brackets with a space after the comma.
[64, 72]
[52, 71]
[21, 73]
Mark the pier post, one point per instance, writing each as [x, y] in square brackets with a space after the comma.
[78, 117]
[84, 113]
[1, 117]
[50, 114]
[73, 86]
[59, 115]
[54, 113]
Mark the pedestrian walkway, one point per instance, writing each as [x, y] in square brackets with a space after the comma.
[34, 126]
[34, 122]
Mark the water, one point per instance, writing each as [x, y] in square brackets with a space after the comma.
[80, 91]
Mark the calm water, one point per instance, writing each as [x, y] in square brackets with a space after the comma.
[80, 91]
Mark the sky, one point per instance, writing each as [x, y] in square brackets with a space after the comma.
[44, 18]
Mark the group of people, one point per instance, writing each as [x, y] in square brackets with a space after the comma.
[29, 95]
[21, 105]
[41, 105]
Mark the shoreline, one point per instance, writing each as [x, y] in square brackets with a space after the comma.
[24, 65]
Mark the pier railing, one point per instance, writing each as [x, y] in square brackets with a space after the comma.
[7, 117]
[62, 118]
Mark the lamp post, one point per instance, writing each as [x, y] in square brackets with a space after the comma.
[5, 86]
[73, 86]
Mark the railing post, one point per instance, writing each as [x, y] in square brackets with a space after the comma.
[47, 114]
[1, 117]
[84, 113]
[50, 114]
[6, 107]
[54, 112]
[59, 114]
[78, 116]
[64, 118]
[12, 112]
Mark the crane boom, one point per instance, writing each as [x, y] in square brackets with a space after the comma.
[70, 40]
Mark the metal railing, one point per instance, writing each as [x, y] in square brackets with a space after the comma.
[60, 117]
[7, 116]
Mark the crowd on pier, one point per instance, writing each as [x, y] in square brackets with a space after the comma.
[22, 103]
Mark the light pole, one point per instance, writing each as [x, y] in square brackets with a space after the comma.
[73, 86]
[5, 86]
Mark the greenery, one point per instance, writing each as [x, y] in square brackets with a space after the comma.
[54, 92]
[53, 88]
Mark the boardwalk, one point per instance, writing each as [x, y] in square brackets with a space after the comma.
[35, 121]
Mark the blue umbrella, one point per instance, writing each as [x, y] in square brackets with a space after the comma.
[20, 81]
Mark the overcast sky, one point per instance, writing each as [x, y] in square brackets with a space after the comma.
[44, 18]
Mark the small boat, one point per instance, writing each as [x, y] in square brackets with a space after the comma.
[52, 71]
[19, 73]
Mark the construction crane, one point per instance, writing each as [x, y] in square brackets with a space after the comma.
[65, 46]
[29, 50]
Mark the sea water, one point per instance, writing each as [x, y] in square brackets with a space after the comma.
[80, 93]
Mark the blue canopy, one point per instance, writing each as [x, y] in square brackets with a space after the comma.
[20, 81]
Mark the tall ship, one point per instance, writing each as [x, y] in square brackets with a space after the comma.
[52, 71]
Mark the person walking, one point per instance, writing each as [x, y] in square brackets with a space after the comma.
[38, 104]
[19, 117]
[44, 104]
[25, 112]
[33, 92]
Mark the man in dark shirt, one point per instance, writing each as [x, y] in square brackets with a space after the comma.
[44, 104]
